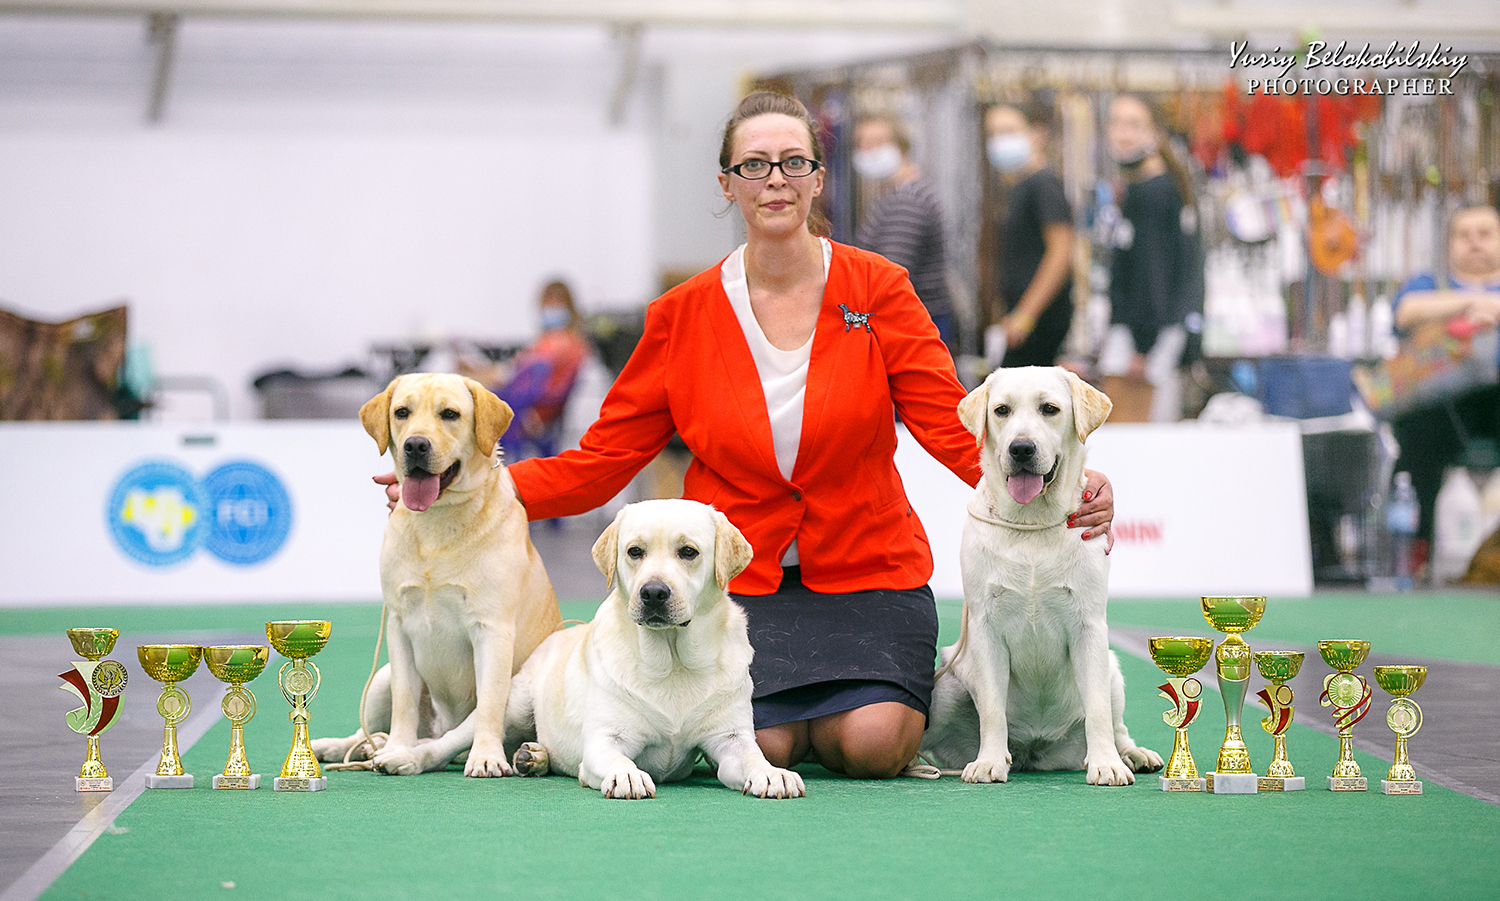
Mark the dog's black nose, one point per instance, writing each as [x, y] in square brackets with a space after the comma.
[1023, 449]
[656, 593]
[416, 446]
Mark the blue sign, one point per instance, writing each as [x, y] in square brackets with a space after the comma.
[250, 510]
[157, 513]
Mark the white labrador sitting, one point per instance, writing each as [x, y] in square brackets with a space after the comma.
[1032, 680]
[662, 672]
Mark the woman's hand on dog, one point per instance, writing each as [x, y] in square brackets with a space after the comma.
[393, 489]
[1094, 515]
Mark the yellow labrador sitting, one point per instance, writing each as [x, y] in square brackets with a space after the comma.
[662, 672]
[1032, 680]
[467, 596]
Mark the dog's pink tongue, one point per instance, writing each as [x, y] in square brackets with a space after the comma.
[419, 491]
[1023, 487]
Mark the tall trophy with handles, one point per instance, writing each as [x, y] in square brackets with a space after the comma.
[299, 679]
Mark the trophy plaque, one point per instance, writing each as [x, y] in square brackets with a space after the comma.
[299, 679]
[237, 664]
[1232, 615]
[1180, 658]
[98, 684]
[1349, 696]
[170, 664]
[1405, 718]
[1278, 668]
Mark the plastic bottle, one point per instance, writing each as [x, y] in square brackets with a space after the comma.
[1455, 530]
[1382, 324]
[1402, 512]
[1358, 345]
[1489, 506]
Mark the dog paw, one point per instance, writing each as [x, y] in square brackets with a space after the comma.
[1141, 760]
[486, 766]
[1110, 772]
[398, 762]
[531, 759]
[987, 771]
[330, 750]
[774, 782]
[630, 784]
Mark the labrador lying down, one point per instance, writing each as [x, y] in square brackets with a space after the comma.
[661, 673]
[466, 593]
[1032, 682]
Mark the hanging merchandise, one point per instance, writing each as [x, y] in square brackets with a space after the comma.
[1331, 239]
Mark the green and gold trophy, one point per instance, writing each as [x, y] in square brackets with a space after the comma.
[98, 684]
[1180, 658]
[1233, 615]
[237, 664]
[1349, 696]
[170, 664]
[299, 679]
[1405, 718]
[1278, 668]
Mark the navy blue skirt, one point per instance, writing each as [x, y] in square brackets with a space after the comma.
[818, 654]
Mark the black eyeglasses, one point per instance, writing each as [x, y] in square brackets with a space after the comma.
[791, 167]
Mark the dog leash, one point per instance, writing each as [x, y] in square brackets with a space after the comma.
[369, 739]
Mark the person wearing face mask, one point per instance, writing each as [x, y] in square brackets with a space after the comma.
[1155, 284]
[1033, 309]
[905, 222]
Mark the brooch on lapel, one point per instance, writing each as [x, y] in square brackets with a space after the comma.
[855, 320]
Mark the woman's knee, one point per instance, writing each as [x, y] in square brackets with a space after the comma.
[785, 745]
[873, 742]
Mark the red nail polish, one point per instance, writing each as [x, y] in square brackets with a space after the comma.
[1088, 495]
[1085, 536]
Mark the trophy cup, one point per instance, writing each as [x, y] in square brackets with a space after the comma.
[299, 679]
[1349, 696]
[237, 664]
[98, 684]
[1278, 667]
[170, 664]
[1404, 718]
[1180, 658]
[1232, 774]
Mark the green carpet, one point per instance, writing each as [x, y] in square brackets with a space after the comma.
[1039, 836]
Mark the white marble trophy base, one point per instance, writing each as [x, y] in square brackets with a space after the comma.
[1401, 787]
[1347, 783]
[105, 784]
[183, 781]
[239, 783]
[1282, 783]
[1182, 785]
[1233, 783]
[300, 785]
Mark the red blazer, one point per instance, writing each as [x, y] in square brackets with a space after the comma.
[692, 372]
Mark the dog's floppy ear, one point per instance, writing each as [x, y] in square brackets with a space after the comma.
[973, 411]
[492, 416]
[1090, 406]
[605, 550]
[732, 553]
[376, 415]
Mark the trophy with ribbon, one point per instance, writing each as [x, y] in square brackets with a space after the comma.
[1349, 696]
[1180, 658]
[1279, 667]
[98, 684]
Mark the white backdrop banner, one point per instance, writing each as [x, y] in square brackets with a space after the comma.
[1198, 509]
[140, 513]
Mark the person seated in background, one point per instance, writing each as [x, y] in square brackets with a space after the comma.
[905, 222]
[537, 381]
[1430, 440]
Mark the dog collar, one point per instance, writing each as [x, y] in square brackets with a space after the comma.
[1021, 526]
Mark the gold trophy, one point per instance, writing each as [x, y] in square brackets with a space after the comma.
[170, 664]
[237, 664]
[1349, 696]
[1232, 774]
[98, 684]
[1405, 718]
[299, 679]
[1180, 658]
[1278, 668]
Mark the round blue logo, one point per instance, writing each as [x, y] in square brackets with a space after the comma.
[249, 512]
[158, 513]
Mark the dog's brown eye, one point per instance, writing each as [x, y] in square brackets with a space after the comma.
[687, 553]
[1050, 409]
[401, 413]
[635, 553]
[1002, 410]
[449, 415]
